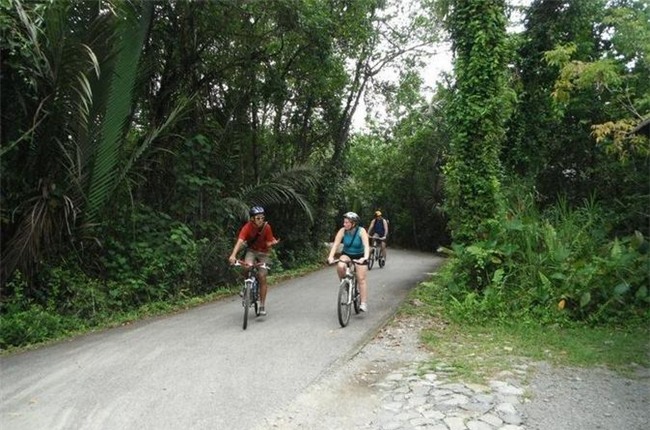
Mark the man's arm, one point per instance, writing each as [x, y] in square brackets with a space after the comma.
[235, 250]
[269, 238]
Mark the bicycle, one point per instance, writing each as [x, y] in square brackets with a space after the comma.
[250, 292]
[375, 253]
[349, 295]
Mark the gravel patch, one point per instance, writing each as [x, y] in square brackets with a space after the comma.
[587, 399]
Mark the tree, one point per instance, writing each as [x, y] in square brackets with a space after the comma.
[479, 107]
[73, 74]
[583, 79]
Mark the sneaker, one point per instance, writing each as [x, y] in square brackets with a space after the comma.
[262, 311]
[363, 307]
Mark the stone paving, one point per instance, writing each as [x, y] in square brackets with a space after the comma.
[410, 399]
[390, 384]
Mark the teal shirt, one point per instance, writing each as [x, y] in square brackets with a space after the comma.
[352, 243]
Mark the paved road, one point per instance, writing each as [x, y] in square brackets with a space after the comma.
[199, 369]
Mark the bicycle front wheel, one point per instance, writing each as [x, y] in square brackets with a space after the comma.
[255, 297]
[246, 302]
[356, 297]
[371, 259]
[344, 305]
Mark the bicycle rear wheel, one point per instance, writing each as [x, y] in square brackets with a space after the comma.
[246, 302]
[344, 306]
[382, 261]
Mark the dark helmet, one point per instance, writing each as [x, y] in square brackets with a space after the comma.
[352, 216]
[256, 210]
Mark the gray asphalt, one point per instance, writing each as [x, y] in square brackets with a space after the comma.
[199, 369]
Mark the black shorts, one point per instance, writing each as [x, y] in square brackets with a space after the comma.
[356, 257]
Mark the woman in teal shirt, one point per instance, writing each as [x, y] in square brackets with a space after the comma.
[356, 248]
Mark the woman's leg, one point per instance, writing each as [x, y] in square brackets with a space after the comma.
[362, 271]
[340, 266]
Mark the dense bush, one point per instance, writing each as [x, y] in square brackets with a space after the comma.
[555, 267]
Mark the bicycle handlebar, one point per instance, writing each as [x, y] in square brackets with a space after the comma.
[338, 260]
[258, 265]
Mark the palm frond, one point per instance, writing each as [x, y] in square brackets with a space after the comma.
[284, 187]
[39, 230]
[105, 173]
[152, 136]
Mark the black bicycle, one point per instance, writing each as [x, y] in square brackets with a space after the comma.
[250, 292]
[375, 253]
[349, 295]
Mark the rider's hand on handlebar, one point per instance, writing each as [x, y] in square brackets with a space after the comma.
[330, 260]
[232, 260]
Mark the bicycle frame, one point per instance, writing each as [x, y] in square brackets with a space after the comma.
[375, 252]
[351, 277]
[251, 289]
[348, 294]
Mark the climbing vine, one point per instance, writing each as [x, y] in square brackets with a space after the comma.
[479, 107]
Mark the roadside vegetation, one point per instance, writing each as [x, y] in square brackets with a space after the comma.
[547, 289]
[476, 352]
[135, 135]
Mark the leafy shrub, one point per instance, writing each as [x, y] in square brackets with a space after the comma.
[24, 321]
[555, 268]
[161, 261]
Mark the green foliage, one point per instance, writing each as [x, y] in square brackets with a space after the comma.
[27, 320]
[479, 107]
[162, 262]
[400, 171]
[551, 268]
[583, 86]
[130, 35]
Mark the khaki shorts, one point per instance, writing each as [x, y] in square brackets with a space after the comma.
[257, 257]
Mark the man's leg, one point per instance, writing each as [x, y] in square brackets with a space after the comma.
[261, 278]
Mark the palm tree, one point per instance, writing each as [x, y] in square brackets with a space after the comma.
[75, 64]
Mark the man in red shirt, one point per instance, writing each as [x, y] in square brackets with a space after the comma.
[258, 236]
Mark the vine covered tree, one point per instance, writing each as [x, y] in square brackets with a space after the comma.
[476, 116]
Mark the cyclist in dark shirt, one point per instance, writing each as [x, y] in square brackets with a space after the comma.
[379, 228]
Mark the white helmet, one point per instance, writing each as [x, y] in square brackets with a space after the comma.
[352, 216]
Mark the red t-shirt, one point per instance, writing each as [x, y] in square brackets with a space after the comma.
[249, 231]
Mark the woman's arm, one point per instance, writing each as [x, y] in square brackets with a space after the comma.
[335, 244]
[366, 243]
